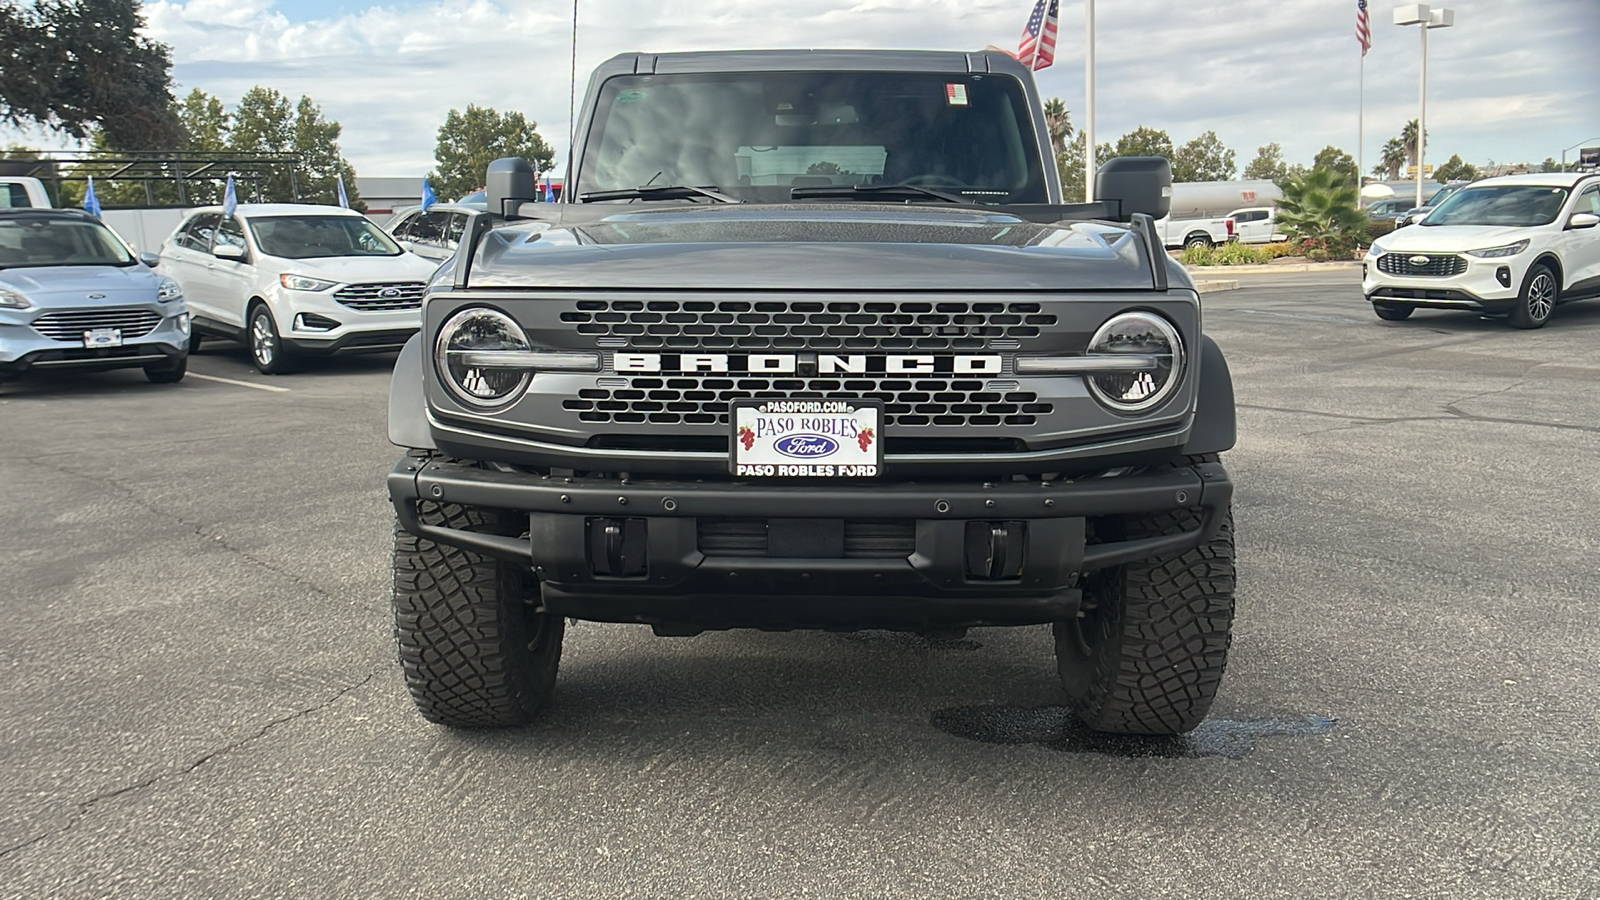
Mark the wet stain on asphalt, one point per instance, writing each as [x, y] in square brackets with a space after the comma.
[1057, 728]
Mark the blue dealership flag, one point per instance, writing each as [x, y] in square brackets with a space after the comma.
[428, 198]
[344, 199]
[90, 201]
[549, 194]
[230, 200]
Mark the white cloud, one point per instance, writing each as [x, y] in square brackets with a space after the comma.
[1513, 80]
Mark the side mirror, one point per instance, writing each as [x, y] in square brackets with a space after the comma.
[150, 259]
[227, 251]
[1137, 184]
[1583, 220]
[508, 183]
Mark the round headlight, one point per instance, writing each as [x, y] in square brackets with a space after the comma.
[1137, 334]
[481, 329]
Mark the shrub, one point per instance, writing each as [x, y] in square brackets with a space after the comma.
[1279, 248]
[1377, 228]
[1322, 206]
[1232, 253]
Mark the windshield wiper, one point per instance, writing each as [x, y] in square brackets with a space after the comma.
[658, 192]
[874, 191]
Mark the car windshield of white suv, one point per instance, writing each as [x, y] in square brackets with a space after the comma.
[759, 136]
[1514, 205]
[39, 241]
[311, 237]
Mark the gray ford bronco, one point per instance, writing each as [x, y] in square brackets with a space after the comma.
[812, 342]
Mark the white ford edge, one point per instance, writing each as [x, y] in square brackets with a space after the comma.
[293, 280]
[1516, 246]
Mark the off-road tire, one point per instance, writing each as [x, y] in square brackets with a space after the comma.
[167, 374]
[1392, 313]
[1147, 655]
[1541, 291]
[476, 649]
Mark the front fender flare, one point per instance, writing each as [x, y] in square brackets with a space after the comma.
[1215, 422]
[408, 403]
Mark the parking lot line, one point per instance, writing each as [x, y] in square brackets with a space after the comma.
[259, 387]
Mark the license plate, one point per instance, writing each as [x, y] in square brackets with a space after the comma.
[807, 439]
[103, 337]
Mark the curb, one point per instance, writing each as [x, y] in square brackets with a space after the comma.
[1291, 267]
[1206, 287]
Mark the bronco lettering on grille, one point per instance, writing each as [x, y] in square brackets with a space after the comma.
[825, 363]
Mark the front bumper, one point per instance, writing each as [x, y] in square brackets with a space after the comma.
[353, 331]
[1482, 287]
[681, 581]
[22, 347]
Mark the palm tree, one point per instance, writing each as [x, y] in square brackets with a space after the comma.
[1322, 205]
[1392, 158]
[1059, 122]
[1408, 138]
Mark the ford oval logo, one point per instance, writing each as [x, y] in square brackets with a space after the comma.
[806, 446]
[389, 293]
[1419, 260]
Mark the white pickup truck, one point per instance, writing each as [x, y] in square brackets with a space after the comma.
[1256, 225]
[19, 192]
[1194, 232]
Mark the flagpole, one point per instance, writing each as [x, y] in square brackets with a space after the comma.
[1361, 114]
[1088, 101]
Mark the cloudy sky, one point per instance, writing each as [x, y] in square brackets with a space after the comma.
[1514, 80]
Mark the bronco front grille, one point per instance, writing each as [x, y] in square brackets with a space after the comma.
[704, 399]
[381, 296]
[1437, 265]
[70, 326]
[809, 324]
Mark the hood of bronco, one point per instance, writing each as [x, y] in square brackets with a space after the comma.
[813, 246]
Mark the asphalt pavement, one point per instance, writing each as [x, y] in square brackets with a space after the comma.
[200, 697]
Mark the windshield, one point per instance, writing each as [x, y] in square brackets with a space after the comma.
[756, 136]
[41, 241]
[1506, 204]
[309, 237]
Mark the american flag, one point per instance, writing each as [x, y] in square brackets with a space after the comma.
[1363, 29]
[1038, 47]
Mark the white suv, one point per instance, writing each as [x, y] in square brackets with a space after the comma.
[295, 279]
[1515, 246]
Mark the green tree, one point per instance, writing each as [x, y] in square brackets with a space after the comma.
[205, 122]
[266, 122]
[469, 141]
[82, 66]
[1203, 159]
[1142, 141]
[1408, 139]
[1550, 165]
[1390, 159]
[1267, 164]
[1058, 119]
[1455, 169]
[826, 168]
[1335, 160]
[1322, 206]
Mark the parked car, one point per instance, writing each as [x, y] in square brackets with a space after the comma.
[1201, 232]
[17, 191]
[292, 280]
[1256, 225]
[431, 234]
[1516, 246]
[1414, 215]
[73, 295]
[1388, 207]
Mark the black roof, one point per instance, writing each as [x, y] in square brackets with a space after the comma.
[45, 212]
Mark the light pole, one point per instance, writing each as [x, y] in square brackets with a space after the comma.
[1574, 147]
[1088, 101]
[1429, 18]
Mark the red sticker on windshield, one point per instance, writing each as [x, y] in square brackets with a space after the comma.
[955, 94]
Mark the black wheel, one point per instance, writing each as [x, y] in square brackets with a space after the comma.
[1147, 653]
[267, 349]
[1197, 240]
[167, 374]
[1392, 312]
[476, 648]
[1540, 294]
